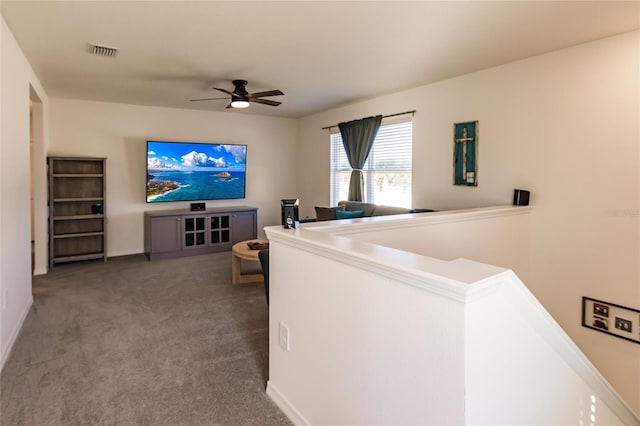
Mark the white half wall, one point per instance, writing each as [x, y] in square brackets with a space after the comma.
[348, 328]
[119, 132]
[492, 235]
[16, 85]
[564, 125]
[364, 333]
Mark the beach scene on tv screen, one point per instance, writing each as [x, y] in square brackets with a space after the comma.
[178, 171]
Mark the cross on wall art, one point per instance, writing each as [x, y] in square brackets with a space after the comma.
[465, 153]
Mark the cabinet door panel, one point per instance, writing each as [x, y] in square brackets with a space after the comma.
[195, 232]
[166, 234]
[243, 226]
[219, 230]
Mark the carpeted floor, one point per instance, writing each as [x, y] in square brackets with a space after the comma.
[129, 341]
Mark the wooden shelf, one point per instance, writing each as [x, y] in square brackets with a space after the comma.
[71, 200]
[78, 234]
[76, 191]
[78, 175]
[88, 256]
[79, 216]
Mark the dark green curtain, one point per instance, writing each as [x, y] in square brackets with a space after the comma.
[357, 139]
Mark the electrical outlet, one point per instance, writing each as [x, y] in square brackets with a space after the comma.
[283, 336]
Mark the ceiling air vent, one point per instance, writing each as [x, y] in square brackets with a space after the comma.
[100, 50]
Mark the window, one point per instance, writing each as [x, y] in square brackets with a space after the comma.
[387, 172]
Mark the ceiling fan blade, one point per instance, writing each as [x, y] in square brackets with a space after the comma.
[225, 91]
[267, 93]
[264, 101]
[205, 99]
[229, 106]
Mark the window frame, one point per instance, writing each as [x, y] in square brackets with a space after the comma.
[339, 164]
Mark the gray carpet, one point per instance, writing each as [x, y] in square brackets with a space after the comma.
[128, 341]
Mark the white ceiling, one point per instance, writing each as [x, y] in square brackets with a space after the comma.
[321, 54]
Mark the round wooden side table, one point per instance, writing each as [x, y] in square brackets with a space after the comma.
[241, 251]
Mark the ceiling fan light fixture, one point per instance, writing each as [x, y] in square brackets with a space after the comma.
[239, 103]
[240, 98]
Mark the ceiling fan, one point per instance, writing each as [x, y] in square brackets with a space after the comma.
[240, 98]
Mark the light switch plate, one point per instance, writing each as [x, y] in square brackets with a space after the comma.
[283, 336]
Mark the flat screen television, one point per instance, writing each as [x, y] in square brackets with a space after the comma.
[185, 171]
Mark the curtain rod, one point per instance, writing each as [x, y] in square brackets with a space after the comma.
[412, 112]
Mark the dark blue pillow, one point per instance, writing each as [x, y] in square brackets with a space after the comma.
[351, 214]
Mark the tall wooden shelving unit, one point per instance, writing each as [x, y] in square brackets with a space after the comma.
[77, 209]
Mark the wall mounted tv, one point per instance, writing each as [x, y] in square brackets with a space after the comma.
[184, 171]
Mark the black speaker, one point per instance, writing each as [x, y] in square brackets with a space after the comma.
[289, 209]
[198, 207]
[520, 197]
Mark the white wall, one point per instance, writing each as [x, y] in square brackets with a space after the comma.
[17, 78]
[520, 368]
[119, 132]
[564, 125]
[39, 177]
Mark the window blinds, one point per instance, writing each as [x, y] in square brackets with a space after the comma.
[387, 171]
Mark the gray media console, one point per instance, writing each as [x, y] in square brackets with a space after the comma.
[176, 233]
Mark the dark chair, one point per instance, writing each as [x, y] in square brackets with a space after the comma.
[264, 262]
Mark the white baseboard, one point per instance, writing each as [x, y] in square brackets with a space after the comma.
[40, 271]
[283, 403]
[16, 332]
